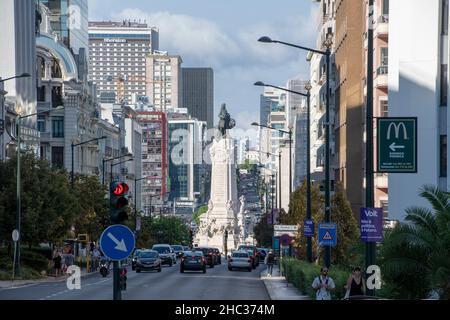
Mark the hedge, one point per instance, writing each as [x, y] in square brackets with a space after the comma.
[301, 274]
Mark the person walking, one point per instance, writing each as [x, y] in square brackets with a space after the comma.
[270, 261]
[324, 285]
[57, 263]
[96, 255]
[355, 284]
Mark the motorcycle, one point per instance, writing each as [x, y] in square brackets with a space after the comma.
[104, 268]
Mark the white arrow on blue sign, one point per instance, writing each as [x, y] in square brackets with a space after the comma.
[117, 242]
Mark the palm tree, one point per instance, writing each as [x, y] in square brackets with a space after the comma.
[416, 253]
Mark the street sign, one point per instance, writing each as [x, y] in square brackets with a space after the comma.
[276, 243]
[285, 227]
[117, 242]
[327, 234]
[397, 145]
[371, 224]
[308, 228]
[15, 235]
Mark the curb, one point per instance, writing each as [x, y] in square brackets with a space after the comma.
[283, 292]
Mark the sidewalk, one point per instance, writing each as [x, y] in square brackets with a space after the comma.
[49, 279]
[279, 289]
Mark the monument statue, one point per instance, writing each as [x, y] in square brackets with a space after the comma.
[217, 226]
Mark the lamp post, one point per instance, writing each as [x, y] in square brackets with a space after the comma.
[23, 75]
[104, 161]
[279, 174]
[72, 149]
[370, 246]
[327, 54]
[18, 177]
[135, 195]
[115, 164]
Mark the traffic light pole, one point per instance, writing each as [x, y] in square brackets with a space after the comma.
[117, 293]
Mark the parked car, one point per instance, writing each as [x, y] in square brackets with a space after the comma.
[193, 260]
[148, 260]
[135, 257]
[218, 256]
[178, 250]
[186, 248]
[209, 255]
[254, 255]
[240, 260]
[166, 253]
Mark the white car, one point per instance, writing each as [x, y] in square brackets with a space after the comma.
[240, 260]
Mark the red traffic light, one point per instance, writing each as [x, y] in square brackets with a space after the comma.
[120, 189]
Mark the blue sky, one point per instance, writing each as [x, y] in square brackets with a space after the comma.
[223, 34]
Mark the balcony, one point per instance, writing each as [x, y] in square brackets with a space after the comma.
[45, 135]
[382, 26]
[381, 79]
[43, 105]
[381, 181]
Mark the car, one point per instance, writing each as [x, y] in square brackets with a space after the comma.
[166, 253]
[134, 258]
[255, 254]
[186, 248]
[148, 260]
[193, 260]
[178, 250]
[218, 256]
[240, 259]
[209, 255]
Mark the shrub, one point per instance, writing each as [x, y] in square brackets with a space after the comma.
[34, 260]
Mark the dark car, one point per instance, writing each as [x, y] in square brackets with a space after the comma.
[186, 248]
[136, 254]
[148, 260]
[166, 253]
[193, 260]
[218, 256]
[209, 255]
[178, 250]
[255, 254]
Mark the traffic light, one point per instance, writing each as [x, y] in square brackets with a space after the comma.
[118, 202]
[123, 279]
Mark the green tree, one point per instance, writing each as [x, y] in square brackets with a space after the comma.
[415, 254]
[263, 232]
[196, 216]
[346, 227]
[165, 229]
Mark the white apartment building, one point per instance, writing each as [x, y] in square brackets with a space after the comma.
[164, 80]
[418, 87]
[117, 52]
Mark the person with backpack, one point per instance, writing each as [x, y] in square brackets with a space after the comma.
[324, 285]
[270, 261]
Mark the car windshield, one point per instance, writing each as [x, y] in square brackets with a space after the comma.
[137, 253]
[240, 255]
[193, 253]
[204, 250]
[247, 248]
[162, 249]
[178, 248]
[145, 255]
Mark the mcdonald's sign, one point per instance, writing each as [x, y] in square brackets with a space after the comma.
[397, 145]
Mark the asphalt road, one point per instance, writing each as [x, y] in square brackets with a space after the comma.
[217, 284]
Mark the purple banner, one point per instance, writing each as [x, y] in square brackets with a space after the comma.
[308, 228]
[371, 224]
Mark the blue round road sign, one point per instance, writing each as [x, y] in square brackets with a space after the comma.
[117, 242]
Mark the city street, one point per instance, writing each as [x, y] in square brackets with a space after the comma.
[170, 284]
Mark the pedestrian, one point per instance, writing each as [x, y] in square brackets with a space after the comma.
[270, 261]
[324, 285]
[355, 284]
[96, 255]
[57, 262]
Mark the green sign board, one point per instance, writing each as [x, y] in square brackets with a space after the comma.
[397, 145]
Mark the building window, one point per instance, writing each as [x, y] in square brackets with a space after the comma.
[384, 56]
[41, 123]
[443, 156]
[444, 17]
[41, 94]
[444, 70]
[58, 127]
[57, 97]
[385, 7]
[385, 205]
[58, 157]
[384, 108]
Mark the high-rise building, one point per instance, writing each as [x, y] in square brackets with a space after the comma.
[18, 55]
[187, 168]
[117, 52]
[198, 93]
[418, 87]
[164, 80]
[349, 129]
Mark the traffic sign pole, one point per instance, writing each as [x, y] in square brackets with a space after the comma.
[117, 294]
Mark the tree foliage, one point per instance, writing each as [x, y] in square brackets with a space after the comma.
[164, 229]
[415, 255]
[196, 216]
[263, 232]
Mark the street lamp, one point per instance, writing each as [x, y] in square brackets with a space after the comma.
[104, 161]
[23, 75]
[72, 148]
[115, 164]
[18, 177]
[327, 54]
[290, 150]
[135, 194]
[279, 175]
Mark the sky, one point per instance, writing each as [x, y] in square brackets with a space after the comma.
[223, 34]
